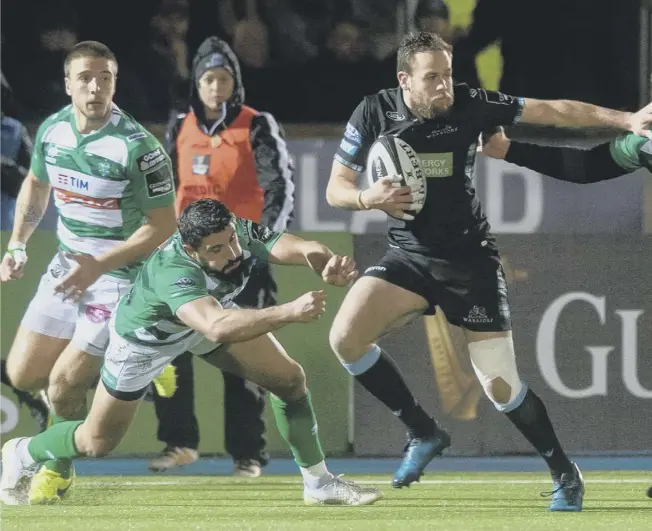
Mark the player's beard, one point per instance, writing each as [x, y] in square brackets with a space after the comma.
[233, 272]
[429, 109]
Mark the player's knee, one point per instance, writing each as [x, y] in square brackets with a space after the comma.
[499, 391]
[25, 380]
[344, 343]
[293, 385]
[494, 363]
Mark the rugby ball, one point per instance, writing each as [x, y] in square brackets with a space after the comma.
[389, 155]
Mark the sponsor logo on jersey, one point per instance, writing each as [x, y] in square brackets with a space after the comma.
[53, 151]
[107, 203]
[446, 130]
[144, 363]
[493, 97]
[151, 159]
[437, 164]
[68, 180]
[56, 271]
[349, 148]
[396, 116]
[200, 164]
[261, 233]
[185, 282]
[97, 313]
[136, 136]
[159, 181]
[352, 134]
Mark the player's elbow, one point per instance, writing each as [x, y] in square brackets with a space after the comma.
[334, 191]
[220, 331]
[331, 196]
[217, 334]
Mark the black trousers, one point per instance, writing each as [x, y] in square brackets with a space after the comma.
[244, 402]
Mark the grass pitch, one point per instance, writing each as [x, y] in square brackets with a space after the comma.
[614, 501]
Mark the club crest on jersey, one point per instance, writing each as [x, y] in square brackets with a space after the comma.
[185, 282]
[477, 315]
[200, 164]
[104, 168]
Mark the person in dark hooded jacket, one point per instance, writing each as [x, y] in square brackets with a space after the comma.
[225, 150]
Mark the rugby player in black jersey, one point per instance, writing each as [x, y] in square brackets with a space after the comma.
[444, 255]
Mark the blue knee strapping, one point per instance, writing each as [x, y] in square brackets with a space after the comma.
[365, 363]
[513, 404]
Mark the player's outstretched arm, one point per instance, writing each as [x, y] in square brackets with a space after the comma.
[31, 204]
[221, 325]
[334, 269]
[597, 164]
[577, 114]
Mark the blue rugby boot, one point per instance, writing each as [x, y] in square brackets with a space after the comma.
[568, 492]
[419, 451]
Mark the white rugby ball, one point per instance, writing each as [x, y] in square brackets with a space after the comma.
[389, 155]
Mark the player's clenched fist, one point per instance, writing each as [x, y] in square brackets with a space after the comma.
[308, 307]
[13, 262]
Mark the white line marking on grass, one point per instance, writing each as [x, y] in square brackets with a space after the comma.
[131, 483]
[374, 482]
[505, 481]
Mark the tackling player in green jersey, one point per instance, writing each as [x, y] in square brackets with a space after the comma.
[182, 300]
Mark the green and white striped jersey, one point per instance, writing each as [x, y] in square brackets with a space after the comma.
[170, 278]
[103, 182]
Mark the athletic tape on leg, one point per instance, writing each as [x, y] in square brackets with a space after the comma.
[493, 359]
[366, 362]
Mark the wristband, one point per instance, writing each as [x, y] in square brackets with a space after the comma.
[359, 202]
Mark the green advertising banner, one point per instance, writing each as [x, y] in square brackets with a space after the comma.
[308, 344]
